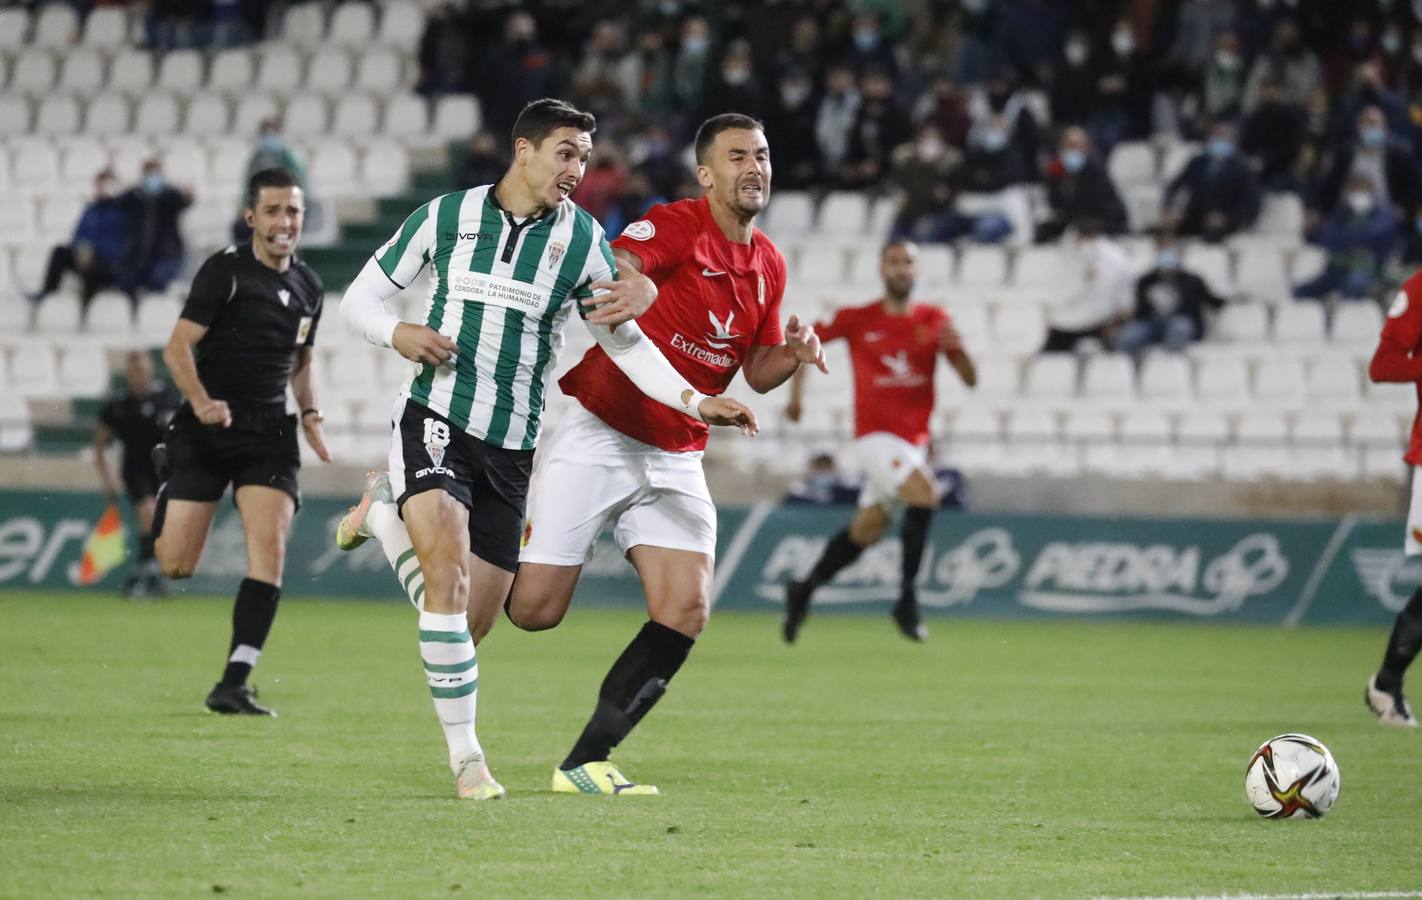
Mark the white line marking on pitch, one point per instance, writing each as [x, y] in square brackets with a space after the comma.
[1326, 895]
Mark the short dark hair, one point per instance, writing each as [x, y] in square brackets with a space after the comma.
[706, 134]
[541, 118]
[268, 178]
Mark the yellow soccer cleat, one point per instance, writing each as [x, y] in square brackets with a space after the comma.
[351, 531]
[598, 778]
[474, 782]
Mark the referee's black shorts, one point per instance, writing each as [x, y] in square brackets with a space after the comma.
[428, 452]
[140, 479]
[259, 447]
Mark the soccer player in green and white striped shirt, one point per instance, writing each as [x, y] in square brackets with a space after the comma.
[510, 262]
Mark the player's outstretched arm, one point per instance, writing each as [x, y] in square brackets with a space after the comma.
[363, 307]
[951, 343]
[766, 368]
[630, 295]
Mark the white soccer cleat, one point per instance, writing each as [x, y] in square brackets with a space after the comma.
[1390, 707]
[474, 782]
[351, 531]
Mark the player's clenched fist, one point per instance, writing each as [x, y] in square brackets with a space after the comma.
[802, 339]
[422, 344]
[725, 411]
[213, 412]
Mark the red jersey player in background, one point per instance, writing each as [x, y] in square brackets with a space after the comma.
[893, 347]
[1399, 359]
[616, 459]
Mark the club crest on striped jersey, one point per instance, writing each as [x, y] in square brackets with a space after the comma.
[556, 249]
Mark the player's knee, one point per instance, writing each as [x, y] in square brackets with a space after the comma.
[689, 618]
[536, 616]
[176, 569]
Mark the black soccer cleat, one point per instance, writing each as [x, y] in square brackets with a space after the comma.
[797, 607]
[906, 617]
[236, 700]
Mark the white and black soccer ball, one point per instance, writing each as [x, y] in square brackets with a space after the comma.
[1292, 776]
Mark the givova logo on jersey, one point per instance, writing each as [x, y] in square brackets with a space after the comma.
[436, 439]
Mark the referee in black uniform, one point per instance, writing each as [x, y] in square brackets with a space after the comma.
[137, 418]
[246, 331]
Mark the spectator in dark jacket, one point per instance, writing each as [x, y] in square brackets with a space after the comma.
[1170, 305]
[881, 125]
[96, 253]
[1360, 237]
[1272, 136]
[157, 248]
[1078, 185]
[1217, 194]
[790, 129]
[484, 164]
[1374, 154]
[734, 88]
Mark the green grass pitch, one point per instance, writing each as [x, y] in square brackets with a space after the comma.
[1002, 759]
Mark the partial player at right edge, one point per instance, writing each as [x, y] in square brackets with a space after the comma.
[893, 346]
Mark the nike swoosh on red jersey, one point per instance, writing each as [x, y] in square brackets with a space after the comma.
[709, 273]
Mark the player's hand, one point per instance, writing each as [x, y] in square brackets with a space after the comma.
[422, 344]
[311, 424]
[725, 411]
[949, 340]
[624, 300]
[793, 410]
[806, 344]
[213, 412]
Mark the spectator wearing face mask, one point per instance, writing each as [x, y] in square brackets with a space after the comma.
[1078, 187]
[690, 68]
[97, 250]
[1170, 305]
[272, 152]
[945, 108]
[1375, 155]
[1360, 236]
[868, 50]
[735, 89]
[790, 129]
[923, 174]
[881, 125]
[1222, 87]
[156, 252]
[1288, 63]
[1272, 136]
[1073, 85]
[835, 116]
[1216, 195]
[1121, 105]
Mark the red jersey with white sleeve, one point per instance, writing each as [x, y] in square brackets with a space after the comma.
[1399, 354]
[893, 358]
[715, 300]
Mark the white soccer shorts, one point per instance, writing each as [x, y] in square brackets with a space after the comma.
[588, 474]
[1411, 545]
[887, 460]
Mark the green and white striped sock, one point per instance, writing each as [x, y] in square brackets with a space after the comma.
[453, 675]
[384, 522]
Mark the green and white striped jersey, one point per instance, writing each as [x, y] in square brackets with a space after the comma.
[503, 291]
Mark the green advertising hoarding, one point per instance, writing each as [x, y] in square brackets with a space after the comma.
[1005, 566]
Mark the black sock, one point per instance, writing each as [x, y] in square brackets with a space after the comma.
[145, 548]
[1402, 645]
[632, 687]
[252, 616]
[914, 534]
[839, 552]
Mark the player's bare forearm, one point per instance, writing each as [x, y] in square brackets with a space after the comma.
[963, 364]
[102, 435]
[178, 355]
[626, 259]
[767, 368]
[303, 380]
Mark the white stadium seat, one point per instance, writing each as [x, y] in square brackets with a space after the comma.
[1019, 328]
[1279, 384]
[1145, 444]
[83, 371]
[1132, 163]
[1210, 262]
[231, 70]
[982, 266]
[352, 25]
[129, 153]
[14, 28]
[131, 72]
[110, 313]
[106, 28]
[252, 110]
[409, 114]
[1222, 383]
[333, 169]
[1033, 444]
[1177, 157]
[820, 264]
[1091, 435]
[280, 71]
[790, 214]
[15, 115]
[1357, 325]
[1262, 274]
[157, 115]
[1051, 375]
[56, 216]
[385, 168]
[58, 116]
[1165, 380]
[356, 116]
[844, 214]
[401, 24]
[1109, 378]
[1242, 323]
[1319, 451]
[1047, 266]
[156, 316]
[181, 72]
[227, 162]
[33, 73]
[208, 115]
[1260, 449]
[304, 24]
[456, 116]
[1281, 215]
[306, 116]
[1333, 383]
[108, 114]
[16, 432]
[17, 222]
[58, 315]
[378, 70]
[33, 167]
[1299, 323]
[329, 71]
[185, 163]
[1198, 441]
[82, 72]
[56, 25]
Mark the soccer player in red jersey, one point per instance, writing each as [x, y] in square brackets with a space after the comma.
[893, 347]
[614, 458]
[1399, 359]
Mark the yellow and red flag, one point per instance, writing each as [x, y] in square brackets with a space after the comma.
[105, 549]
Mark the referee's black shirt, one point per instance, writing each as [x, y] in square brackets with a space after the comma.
[256, 318]
[138, 420]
